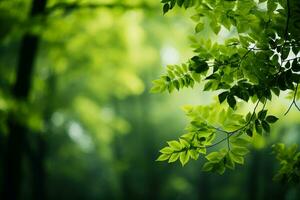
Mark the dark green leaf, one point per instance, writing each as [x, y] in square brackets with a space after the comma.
[295, 66]
[231, 101]
[166, 8]
[285, 53]
[249, 132]
[180, 2]
[208, 85]
[271, 119]
[262, 114]
[213, 77]
[276, 91]
[258, 127]
[223, 96]
[265, 126]
[172, 4]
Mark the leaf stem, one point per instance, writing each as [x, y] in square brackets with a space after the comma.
[231, 133]
[293, 101]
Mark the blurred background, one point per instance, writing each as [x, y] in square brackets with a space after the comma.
[77, 120]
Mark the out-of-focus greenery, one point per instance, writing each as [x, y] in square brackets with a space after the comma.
[90, 102]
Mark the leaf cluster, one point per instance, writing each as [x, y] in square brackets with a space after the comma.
[289, 159]
[257, 61]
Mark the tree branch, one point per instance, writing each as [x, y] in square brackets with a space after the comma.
[294, 101]
[231, 133]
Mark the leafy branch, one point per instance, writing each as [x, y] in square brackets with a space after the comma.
[293, 101]
[253, 66]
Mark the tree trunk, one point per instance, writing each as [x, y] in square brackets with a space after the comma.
[253, 176]
[37, 159]
[203, 186]
[15, 143]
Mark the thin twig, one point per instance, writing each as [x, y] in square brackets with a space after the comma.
[230, 133]
[228, 143]
[239, 61]
[287, 60]
[293, 101]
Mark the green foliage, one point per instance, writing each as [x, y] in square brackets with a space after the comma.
[258, 59]
[289, 160]
[210, 126]
[181, 76]
[170, 4]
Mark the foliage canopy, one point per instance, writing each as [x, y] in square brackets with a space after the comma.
[258, 58]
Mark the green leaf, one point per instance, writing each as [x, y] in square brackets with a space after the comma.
[199, 65]
[229, 162]
[248, 117]
[239, 150]
[276, 91]
[262, 114]
[184, 157]
[180, 2]
[208, 166]
[223, 96]
[163, 157]
[214, 156]
[166, 8]
[166, 150]
[239, 141]
[194, 154]
[175, 145]
[243, 94]
[265, 126]
[174, 157]
[215, 27]
[296, 66]
[231, 101]
[220, 168]
[271, 5]
[210, 138]
[258, 127]
[208, 85]
[199, 27]
[249, 132]
[271, 119]
[184, 143]
[285, 53]
[237, 158]
[202, 150]
[172, 4]
[186, 3]
[188, 136]
[196, 17]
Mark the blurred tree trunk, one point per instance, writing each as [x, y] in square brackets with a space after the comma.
[203, 186]
[37, 153]
[37, 159]
[15, 143]
[253, 176]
